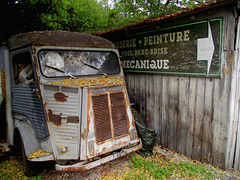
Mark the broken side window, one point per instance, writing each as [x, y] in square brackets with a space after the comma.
[22, 69]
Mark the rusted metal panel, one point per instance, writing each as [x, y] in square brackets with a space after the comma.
[110, 118]
[60, 97]
[102, 117]
[73, 119]
[103, 104]
[120, 121]
[63, 112]
[3, 83]
[3, 50]
[55, 119]
[82, 166]
[58, 38]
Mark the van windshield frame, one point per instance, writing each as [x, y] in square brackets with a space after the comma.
[73, 63]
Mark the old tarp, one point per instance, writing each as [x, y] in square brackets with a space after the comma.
[147, 135]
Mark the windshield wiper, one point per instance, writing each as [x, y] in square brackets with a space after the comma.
[60, 70]
[55, 68]
[95, 68]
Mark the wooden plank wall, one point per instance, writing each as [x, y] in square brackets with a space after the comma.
[233, 146]
[191, 114]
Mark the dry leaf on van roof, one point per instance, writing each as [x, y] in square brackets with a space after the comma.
[109, 80]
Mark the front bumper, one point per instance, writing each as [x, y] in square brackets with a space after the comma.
[82, 166]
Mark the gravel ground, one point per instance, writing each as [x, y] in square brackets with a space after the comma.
[111, 170]
[120, 166]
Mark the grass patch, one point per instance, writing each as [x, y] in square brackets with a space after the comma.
[11, 169]
[163, 168]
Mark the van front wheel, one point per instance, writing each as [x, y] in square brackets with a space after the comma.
[28, 166]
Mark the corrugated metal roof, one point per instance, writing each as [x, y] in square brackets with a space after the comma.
[200, 7]
[58, 38]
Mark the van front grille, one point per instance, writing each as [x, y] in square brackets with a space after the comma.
[119, 114]
[109, 111]
[102, 119]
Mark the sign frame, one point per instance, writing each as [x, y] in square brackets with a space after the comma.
[203, 40]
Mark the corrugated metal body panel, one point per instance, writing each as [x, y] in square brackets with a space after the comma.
[62, 105]
[70, 107]
[67, 135]
[2, 57]
[119, 114]
[102, 119]
[28, 103]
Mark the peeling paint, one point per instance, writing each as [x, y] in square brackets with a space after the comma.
[84, 134]
[60, 97]
[55, 119]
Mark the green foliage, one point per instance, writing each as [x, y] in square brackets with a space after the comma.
[149, 168]
[81, 15]
[77, 15]
[154, 8]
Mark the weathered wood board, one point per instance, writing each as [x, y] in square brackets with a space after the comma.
[196, 113]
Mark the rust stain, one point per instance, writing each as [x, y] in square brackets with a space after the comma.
[3, 84]
[73, 119]
[102, 142]
[121, 143]
[84, 134]
[230, 60]
[88, 108]
[89, 165]
[60, 97]
[76, 169]
[55, 119]
[91, 114]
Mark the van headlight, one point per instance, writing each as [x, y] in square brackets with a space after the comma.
[63, 149]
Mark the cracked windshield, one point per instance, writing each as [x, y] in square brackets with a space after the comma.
[78, 63]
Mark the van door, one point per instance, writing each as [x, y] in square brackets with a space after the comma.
[26, 97]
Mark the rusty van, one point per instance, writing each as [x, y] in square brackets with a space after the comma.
[66, 100]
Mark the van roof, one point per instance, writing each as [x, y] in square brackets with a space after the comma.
[58, 38]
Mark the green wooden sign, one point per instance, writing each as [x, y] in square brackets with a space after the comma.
[190, 49]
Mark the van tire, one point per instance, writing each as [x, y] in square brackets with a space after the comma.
[28, 166]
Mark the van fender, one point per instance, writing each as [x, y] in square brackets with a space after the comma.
[29, 138]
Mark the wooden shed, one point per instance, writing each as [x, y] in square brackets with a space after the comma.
[182, 72]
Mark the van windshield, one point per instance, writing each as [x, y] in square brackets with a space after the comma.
[77, 63]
